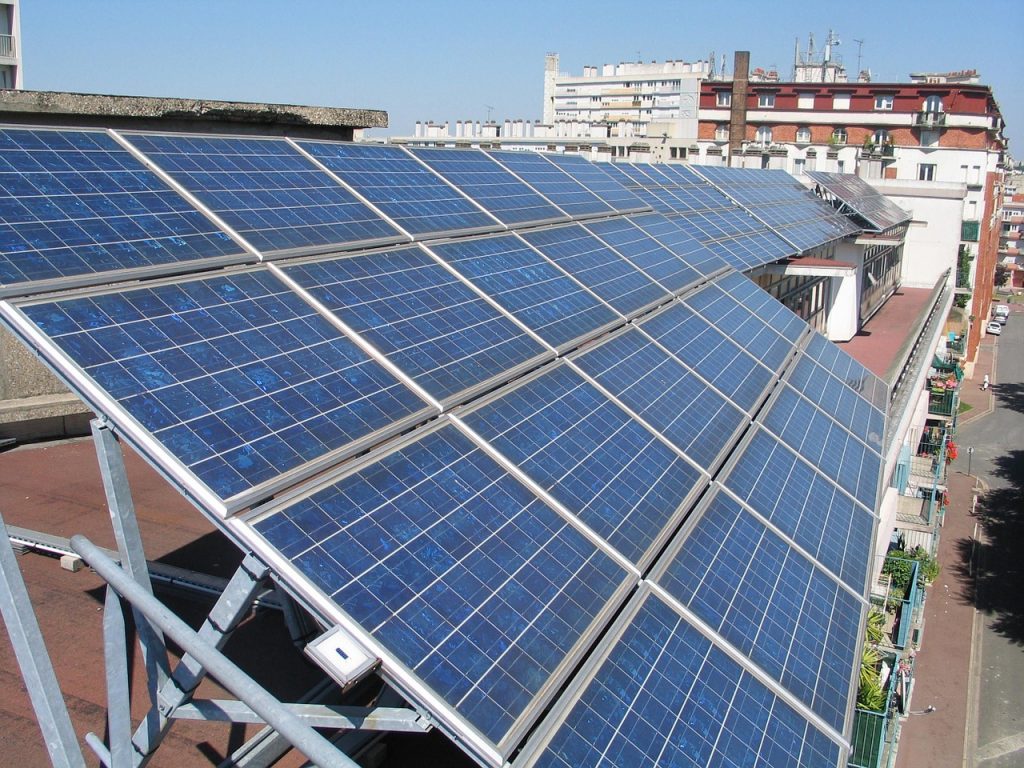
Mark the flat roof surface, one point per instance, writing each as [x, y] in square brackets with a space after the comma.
[879, 341]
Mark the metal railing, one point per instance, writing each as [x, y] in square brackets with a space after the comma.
[929, 119]
[7, 48]
[969, 231]
[870, 728]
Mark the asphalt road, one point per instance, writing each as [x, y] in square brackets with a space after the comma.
[998, 461]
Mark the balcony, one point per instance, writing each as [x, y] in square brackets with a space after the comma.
[7, 49]
[969, 231]
[943, 396]
[930, 120]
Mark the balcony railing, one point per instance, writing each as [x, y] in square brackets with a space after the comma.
[930, 119]
[969, 231]
[7, 48]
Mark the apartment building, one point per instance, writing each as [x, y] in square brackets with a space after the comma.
[10, 45]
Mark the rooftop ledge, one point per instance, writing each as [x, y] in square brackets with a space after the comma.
[47, 107]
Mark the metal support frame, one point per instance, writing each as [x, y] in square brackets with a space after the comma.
[171, 692]
[36, 667]
[265, 705]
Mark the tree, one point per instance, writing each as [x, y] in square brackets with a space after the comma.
[1002, 275]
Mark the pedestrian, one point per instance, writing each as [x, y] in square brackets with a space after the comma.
[984, 383]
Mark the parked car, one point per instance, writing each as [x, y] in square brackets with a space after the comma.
[994, 328]
[1001, 319]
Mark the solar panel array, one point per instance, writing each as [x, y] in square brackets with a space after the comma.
[534, 472]
[703, 213]
[863, 199]
[781, 202]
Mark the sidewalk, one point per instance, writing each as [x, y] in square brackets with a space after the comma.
[942, 676]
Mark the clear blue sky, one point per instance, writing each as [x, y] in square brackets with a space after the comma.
[447, 61]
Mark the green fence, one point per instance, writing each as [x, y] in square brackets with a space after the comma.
[869, 729]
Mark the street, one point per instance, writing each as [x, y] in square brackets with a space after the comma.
[995, 724]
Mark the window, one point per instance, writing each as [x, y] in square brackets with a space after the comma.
[839, 136]
[805, 101]
[932, 104]
[842, 166]
[766, 100]
[722, 132]
[798, 166]
[926, 172]
[841, 101]
[881, 136]
[723, 99]
[803, 135]
[884, 101]
[764, 134]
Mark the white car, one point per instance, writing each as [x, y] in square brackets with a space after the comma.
[994, 328]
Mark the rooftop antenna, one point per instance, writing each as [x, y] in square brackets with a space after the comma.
[860, 45]
[489, 110]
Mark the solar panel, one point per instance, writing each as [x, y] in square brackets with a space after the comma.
[769, 602]
[556, 185]
[540, 295]
[683, 244]
[458, 575]
[838, 399]
[645, 253]
[826, 444]
[596, 266]
[706, 215]
[603, 466]
[77, 208]
[710, 353]
[805, 505]
[666, 394]
[594, 177]
[490, 185]
[237, 378]
[786, 322]
[664, 694]
[265, 190]
[841, 365]
[750, 331]
[430, 324]
[783, 203]
[865, 200]
[402, 188]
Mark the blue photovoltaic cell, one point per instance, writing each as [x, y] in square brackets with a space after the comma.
[752, 333]
[430, 324]
[593, 177]
[537, 293]
[606, 468]
[708, 351]
[806, 506]
[266, 191]
[598, 267]
[666, 394]
[771, 603]
[826, 444]
[684, 245]
[236, 376]
[557, 186]
[783, 203]
[490, 185]
[843, 367]
[76, 203]
[780, 317]
[645, 253]
[457, 569]
[665, 695]
[838, 399]
[413, 197]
